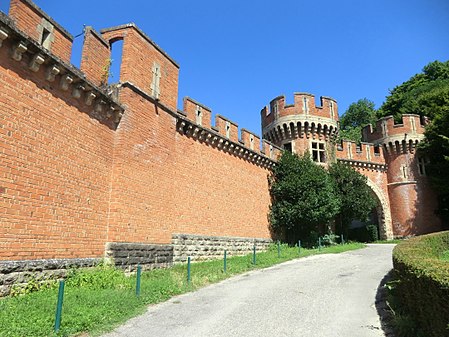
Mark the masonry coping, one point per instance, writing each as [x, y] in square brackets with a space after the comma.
[226, 119]
[49, 18]
[97, 35]
[197, 103]
[145, 36]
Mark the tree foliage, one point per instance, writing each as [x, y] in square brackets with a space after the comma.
[355, 118]
[303, 197]
[426, 93]
[356, 198]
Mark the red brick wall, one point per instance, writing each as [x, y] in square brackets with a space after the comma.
[138, 58]
[413, 203]
[55, 171]
[96, 57]
[28, 17]
[165, 183]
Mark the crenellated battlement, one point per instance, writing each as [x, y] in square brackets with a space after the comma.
[281, 121]
[365, 155]
[225, 134]
[304, 106]
[43, 53]
[397, 137]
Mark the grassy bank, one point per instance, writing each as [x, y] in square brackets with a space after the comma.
[100, 299]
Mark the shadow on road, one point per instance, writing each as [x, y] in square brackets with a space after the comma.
[382, 308]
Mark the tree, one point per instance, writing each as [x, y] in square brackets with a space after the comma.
[303, 197]
[436, 148]
[425, 93]
[355, 118]
[356, 198]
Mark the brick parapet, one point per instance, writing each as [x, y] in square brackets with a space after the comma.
[37, 59]
[388, 133]
[32, 20]
[281, 122]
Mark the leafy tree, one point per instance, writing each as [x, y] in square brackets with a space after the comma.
[303, 197]
[356, 198]
[436, 148]
[355, 118]
[426, 93]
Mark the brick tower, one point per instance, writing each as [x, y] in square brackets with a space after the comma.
[412, 201]
[302, 126]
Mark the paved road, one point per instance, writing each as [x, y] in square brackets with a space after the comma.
[319, 296]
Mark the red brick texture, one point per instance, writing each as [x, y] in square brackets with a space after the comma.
[27, 17]
[56, 167]
[96, 57]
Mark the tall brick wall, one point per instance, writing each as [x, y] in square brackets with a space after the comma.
[55, 172]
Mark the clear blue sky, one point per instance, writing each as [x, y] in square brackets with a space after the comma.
[237, 55]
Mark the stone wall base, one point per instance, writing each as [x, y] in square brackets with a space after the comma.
[20, 273]
[128, 255]
[201, 247]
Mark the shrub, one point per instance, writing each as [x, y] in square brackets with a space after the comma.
[424, 281]
[368, 233]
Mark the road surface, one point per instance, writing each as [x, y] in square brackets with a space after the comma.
[321, 296]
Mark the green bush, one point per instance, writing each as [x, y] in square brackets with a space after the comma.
[368, 233]
[424, 281]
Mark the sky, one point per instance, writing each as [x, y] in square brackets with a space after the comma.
[236, 55]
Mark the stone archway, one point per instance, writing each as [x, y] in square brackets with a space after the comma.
[383, 212]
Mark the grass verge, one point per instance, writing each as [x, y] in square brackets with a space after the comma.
[99, 299]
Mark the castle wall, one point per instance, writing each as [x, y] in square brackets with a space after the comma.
[56, 163]
[80, 172]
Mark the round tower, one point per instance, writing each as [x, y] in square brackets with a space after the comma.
[412, 201]
[302, 126]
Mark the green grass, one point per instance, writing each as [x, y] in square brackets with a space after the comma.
[445, 255]
[395, 241]
[102, 298]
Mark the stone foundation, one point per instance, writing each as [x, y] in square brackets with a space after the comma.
[201, 247]
[19, 273]
[128, 255]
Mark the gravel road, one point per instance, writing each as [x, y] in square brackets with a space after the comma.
[321, 296]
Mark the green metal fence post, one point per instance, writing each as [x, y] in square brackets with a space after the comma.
[299, 246]
[254, 254]
[279, 249]
[342, 240]
[319, 244]
[188, 270]
[139, 272]
[59, 306]
[224, 262]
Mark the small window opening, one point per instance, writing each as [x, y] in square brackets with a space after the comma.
[274, 108]
[305, 105]
[331, 105]
[228, 129]
[404, 171]
[155, 90]
[318, 152]
[112, 66]
[251, 142]
[376, 150]
[422, 162]
[45, 40]
[199, 115]
[288, 147]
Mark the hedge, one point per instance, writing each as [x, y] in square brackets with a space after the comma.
[424, 281]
